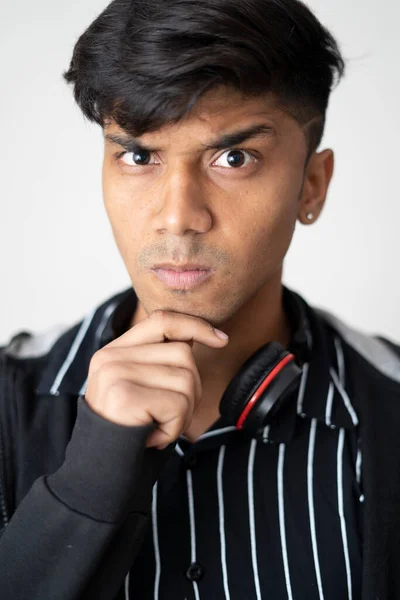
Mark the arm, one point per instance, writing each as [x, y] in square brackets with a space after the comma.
[77, 532]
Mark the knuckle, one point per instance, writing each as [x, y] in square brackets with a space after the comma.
[180, 405]
[178, 424]
[100, 358]
[108, 371]
[185, 352]
[211, 327]
[174, 430]
[185, 411]
[188, 379]
[96, 361]
[119, 391]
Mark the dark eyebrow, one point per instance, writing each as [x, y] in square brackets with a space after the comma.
[128, 143]
[227, 140]
[238, 137]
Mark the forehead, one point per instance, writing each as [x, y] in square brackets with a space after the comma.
[225, 106]
[221, 110]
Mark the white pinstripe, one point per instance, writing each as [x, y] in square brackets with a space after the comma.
[358, 466]
[282, 527]
[82, 391]
[222, 521]
[127, 596]
[341, 367]
[72, 352]
[209, 434]
[99, 332]
[341, 511]
[310, 476]
[266, 433]
[302, 388]
[344, 395]
[156, 543]
[329, 402]
[178, 450]
[192, 526]
[340, 359]
[250, 487]
[104, 320]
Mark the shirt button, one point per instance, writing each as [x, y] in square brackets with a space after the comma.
[195, 572]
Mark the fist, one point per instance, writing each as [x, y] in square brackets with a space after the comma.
[138, 379]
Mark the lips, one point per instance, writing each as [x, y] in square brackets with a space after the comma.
[182, 267]
[183, 279]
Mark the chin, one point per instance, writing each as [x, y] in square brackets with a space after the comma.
[185, 308]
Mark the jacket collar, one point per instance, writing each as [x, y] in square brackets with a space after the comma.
[318, 349]
[68, 360]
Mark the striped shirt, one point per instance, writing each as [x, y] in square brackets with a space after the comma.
[269, 514]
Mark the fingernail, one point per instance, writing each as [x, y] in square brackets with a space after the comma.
[221, 334]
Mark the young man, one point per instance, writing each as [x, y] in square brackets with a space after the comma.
[260, 465]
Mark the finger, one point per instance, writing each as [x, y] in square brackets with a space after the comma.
[169, 411]
[158, 439]
[167, 325]
[155, 378]
[130, 404]
[167, 431]
[177, 354]
[169, 378]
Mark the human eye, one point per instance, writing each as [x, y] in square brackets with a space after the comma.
[235, 158]
[138, 158]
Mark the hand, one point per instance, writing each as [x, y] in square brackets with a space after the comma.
[138, 380]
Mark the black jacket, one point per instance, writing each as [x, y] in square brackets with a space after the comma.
[72, 522]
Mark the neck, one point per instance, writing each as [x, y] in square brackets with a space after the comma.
[260, 321]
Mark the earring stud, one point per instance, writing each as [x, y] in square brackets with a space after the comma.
[309, 216]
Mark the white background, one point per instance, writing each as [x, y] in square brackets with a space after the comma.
[58, 258]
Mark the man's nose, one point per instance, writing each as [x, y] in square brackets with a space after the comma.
[182, 204]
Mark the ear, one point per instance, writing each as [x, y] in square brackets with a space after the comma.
[317, 178]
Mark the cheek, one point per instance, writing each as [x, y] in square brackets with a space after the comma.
[116, 198]
[269, 229]
[122, 215]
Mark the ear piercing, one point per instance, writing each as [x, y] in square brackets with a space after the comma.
[309, 216]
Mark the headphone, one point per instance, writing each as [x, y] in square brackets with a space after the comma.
[260, 387]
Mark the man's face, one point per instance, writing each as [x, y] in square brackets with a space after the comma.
[231, 208]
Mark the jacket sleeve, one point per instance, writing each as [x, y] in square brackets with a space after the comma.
[76, 533]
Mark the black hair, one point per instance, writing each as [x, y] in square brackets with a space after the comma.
[146, 63]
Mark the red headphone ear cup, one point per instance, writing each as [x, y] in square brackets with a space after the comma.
[247, 380]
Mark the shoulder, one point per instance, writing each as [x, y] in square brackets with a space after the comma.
[25, 362]
[379, 353]
[26, 354]
[29, 419]
[59, 357]
[27, 345]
